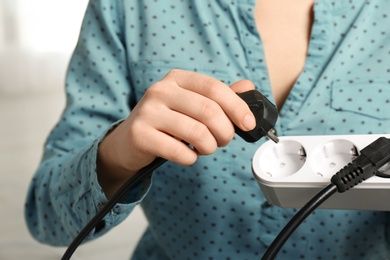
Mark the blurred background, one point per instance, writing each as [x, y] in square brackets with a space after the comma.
[37, 38]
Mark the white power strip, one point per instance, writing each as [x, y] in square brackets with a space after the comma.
[294, 170]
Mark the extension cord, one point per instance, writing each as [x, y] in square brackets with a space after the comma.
[295, 169]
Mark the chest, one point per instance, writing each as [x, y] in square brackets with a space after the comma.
[284, 27]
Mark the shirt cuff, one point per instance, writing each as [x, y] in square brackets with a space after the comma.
[134, 196]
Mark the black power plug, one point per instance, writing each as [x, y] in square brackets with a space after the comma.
[265, 113]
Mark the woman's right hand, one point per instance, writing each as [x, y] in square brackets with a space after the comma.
[183, 107]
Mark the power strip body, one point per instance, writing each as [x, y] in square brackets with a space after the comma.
[294, 170]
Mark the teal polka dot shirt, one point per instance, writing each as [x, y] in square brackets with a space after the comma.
[213, 209]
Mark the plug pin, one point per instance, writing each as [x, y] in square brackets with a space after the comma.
[271, 135]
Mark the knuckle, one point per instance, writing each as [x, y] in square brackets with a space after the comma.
[198, 132]
[209, 110]
[156, 89]
[144, 112]
[172, 73]
[202, 139]
[212, 87]
[175, 152]
[181, 154]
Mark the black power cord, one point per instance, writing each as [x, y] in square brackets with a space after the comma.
[297, 220]
[117, 197]
[366, 165]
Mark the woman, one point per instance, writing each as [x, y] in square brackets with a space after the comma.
[147, 75]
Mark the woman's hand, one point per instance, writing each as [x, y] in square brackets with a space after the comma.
[184, 107]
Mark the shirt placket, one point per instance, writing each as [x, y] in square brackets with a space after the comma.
[318, 51]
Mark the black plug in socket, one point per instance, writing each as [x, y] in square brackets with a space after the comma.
[265, 113]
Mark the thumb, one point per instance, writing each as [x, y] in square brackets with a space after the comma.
[242, 86]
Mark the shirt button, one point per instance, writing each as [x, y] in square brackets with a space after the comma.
[101, 205]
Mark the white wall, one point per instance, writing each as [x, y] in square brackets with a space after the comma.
[36, 40]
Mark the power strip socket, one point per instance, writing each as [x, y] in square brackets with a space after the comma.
[294, 170]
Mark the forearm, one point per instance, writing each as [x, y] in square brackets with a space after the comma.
[63, 195]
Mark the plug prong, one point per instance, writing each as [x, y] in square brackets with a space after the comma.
[271, 135]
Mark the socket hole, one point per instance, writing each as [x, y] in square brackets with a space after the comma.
[332, 156]
[283, 159]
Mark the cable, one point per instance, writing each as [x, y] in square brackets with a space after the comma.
[363, 167]
[298, 218]
[366, 165]
[117, 197]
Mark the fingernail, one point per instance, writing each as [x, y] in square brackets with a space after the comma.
[249, 122]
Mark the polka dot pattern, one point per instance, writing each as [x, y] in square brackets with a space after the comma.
[213, 209]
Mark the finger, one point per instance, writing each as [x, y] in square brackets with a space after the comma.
[205, 111]
[168, 147]
[242, 86]
[235, 108]
[176, 124]
[188, 129]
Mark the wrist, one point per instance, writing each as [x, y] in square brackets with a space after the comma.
[110, 174]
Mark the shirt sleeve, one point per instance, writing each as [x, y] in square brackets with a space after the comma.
[64, 193]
